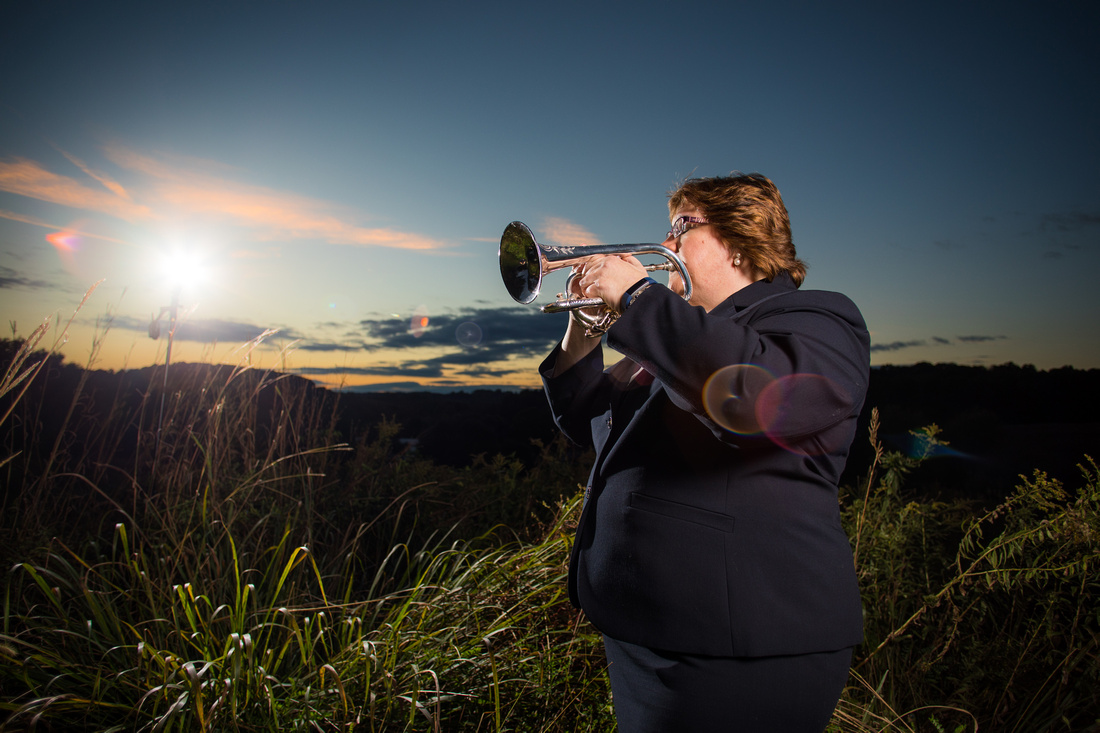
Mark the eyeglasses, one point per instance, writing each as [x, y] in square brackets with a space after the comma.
[681, 225]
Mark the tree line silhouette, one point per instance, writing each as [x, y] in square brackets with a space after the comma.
[1000, 421]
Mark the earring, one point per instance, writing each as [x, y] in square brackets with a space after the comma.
[737, 260]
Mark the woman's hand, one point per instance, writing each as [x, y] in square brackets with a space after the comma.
[603, 277]
[608, 277]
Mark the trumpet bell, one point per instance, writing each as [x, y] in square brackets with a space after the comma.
[520, 263]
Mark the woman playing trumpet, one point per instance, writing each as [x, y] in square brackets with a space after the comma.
[710, 552]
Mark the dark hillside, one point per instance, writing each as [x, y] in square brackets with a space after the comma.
[451, 427]
[1000, 421]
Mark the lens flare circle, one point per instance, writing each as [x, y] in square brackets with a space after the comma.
[468, 334]
[418, 324]
[730, 397]
[64, 241]
[70, 244]
[796, 412]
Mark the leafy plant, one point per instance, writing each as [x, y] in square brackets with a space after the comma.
[993, 612]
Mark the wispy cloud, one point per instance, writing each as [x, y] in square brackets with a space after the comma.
[28, 178]
[563, 231]
[168, 187]
[9, 278]
[105, 180]
[268, 213]
[35, 221]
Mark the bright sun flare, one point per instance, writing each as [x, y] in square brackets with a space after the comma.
[184, 269]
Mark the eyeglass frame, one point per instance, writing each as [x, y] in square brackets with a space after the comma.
[681, 223]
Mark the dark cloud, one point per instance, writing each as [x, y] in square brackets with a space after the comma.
[478, 355]
[9, 278]
[477, 335]
[483, 371]
[1068, 232]
[391, 387]
[205, 330]
[440, 386]
[209, 330]
[934, 341]
[410, 369]
[980, 339]
[1072, 221]
[898, 345]
[418, 370]
[501, 336]
[471, 343]
[331, 346]
[522, 329]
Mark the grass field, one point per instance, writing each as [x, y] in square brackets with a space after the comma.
[210, 555]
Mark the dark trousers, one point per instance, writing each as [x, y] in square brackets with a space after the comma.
[663, 692]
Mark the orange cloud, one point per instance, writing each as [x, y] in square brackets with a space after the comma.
[106, 181]
[34, 221]
[198, 188]
[28, 178]
[270, 214]
[563, 231]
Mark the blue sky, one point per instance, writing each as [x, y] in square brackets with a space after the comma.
[342, 169]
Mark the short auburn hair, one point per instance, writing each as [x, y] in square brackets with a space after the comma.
[749, 216]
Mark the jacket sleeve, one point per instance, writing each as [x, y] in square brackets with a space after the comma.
[578, 395]
[795, 367]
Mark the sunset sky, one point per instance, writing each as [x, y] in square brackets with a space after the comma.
[340, 172]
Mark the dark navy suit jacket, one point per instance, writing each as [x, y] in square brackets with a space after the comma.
[717, 531]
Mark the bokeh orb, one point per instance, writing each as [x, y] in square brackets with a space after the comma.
[468, 334]
[730, 397]
[798, 411]
[418, 324]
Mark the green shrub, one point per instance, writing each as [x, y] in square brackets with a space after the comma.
[992, 615]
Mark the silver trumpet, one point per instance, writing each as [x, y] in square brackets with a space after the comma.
[524, 262]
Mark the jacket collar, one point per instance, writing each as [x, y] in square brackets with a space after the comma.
[752, 293]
